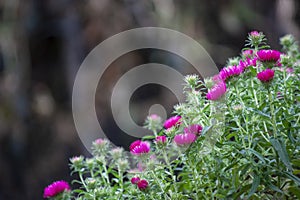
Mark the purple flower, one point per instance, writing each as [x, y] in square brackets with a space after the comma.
[142, 184]
[248, 62]
[268, 55]
[56, 188]
[248, 53]
[139, 147]
[194, 129]
[266, 75]
[135, 180]
[185, 139]
[161, 139]
[255, 34]
[172, 121]
[217, 91]
[229, 71]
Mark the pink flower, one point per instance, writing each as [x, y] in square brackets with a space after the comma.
[161, 139]
[266, 75]
[217, 91]
[268, 55]
[56, 188]
[135, 180]
[248, 62]
[142, 184]
[185, 139]
[194, 129]
[154, 117]
[230, 71]
[139, 147]
[172, 121]
[255, 34]
[248, 53]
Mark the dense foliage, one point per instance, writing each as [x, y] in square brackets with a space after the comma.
[235, 137]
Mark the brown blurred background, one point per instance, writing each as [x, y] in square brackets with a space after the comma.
[43, 42]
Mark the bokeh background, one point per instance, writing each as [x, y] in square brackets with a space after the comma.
[42, 44]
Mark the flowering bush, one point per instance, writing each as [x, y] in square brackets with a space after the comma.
[235, 137]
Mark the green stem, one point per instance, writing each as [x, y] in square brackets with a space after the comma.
[82, 181]
[254, 93]
[170, 169]
[272, 113]
[158, 183]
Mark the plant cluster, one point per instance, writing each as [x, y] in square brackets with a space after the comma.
[235, 137]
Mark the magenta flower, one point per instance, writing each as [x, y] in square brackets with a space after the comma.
[230, 71]
[217, 91]
[248, 53]
[185, 139]
[142, 184]
[268, 55]
[56, 188]
[194, 129]
[139, 147]
[266, 75]
[135, 180]
[248, 62]
[172, 121]
[255, 34]
[161, 139]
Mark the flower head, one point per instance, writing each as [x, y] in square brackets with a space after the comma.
[248, 53]
[56, 188]
[172, 121]
[153, 122]
[230, 71]
[185, 139]
[100, 145]
[135, 180]
[217, 91]
[139, 147]
[254, 34]
[161, 139]
[142, 184]
[248, 62]
[268, 55]
[194, 129]
[266, 75]
[256, 38]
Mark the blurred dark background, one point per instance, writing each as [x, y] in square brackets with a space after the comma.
[43, 43]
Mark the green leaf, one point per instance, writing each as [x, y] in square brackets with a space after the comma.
[148, 137]
[254, 186]
[241, 191]
[279, 146]
[295, 191]
[274, 188]
[293, 177]
[258, 155]
[205, 130]
[259, 112]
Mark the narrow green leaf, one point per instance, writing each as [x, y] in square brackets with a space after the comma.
[148, 137]
[274, 188]
[293, 177]
[205, 130]
[258, 155]
[279, 146]
[254, 186]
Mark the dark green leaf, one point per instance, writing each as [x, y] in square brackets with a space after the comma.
[254, 186]
[293, 177]
[274, 188]
[295, 191]
[258, 155]
[279, 146]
